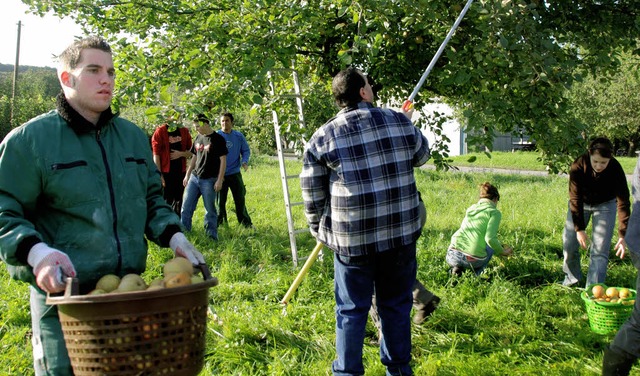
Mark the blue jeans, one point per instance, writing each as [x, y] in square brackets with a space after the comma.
[195, 188]
[392, 275]
[466, 262]
[604, 220]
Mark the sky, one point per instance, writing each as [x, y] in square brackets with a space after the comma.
[40, 37]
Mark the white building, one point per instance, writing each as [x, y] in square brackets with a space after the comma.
[456, 134]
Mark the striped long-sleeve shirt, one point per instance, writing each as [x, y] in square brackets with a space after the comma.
[357, 180]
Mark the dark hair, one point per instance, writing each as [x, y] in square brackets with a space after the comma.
[346, 87]
[229, 115]
[489, 191]
[201, 118]
[70, 57]
[602, 146]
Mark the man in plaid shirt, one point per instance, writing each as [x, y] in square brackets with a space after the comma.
[361, 201]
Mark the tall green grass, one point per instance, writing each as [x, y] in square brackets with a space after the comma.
[513, 320]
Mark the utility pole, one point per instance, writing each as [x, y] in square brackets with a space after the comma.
[15, 76]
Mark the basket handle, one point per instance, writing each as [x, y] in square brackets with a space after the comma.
[206, 274]
[72, 287]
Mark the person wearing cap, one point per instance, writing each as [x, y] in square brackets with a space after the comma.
[476, 241]
[598, 190]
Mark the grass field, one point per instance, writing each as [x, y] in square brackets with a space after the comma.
[519, 160]
[514, 320]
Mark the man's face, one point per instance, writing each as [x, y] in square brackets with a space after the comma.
[201, 127]
[366, 92]
[89, 86]
[226, 124]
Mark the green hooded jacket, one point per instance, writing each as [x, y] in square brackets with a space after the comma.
[90, 191]
[479, 229]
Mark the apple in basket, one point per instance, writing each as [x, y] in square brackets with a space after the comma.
[598, 291]
[108, 283]
[177, 280]
[177, 265]
[624, 293]
[131, 282]
[612, 292]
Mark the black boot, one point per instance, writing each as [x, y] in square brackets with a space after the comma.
[422, 314]
[456, 270]
[616, 364]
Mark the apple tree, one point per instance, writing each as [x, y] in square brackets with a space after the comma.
[609, 106]
[507, 67]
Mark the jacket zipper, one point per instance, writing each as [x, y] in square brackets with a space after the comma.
[113, 199]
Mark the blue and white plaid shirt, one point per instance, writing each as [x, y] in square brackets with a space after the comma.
[357, 180]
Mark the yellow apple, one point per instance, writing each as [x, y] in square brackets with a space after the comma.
[108, 282]
[598, 291]
[177, 265]
[177, 280]
[131, 282]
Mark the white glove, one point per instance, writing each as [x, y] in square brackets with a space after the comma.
[49, 265]
[181, 247]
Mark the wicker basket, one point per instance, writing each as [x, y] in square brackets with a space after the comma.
[605, 317]
[158, 332]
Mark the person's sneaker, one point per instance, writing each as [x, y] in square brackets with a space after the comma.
[421, 315]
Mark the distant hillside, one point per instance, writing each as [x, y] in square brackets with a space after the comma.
[24, 68]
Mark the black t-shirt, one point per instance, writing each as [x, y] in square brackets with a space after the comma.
[175, 143]
[208, 149]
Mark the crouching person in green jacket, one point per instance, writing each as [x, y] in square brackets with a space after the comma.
[79, 197]
[476, 241]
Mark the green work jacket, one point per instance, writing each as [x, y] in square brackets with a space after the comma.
[90, 191]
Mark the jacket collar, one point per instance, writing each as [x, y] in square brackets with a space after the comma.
[486, 201]
[78, 123]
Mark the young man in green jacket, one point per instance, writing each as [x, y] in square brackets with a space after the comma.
[79, 197]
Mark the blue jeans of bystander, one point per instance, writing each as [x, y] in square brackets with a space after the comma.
[195, 188]
[604, 220]
[392, 275]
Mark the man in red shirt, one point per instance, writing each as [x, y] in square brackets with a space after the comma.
[171, 143]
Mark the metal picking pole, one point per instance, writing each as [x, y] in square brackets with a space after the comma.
[302, 273]
[408, 104]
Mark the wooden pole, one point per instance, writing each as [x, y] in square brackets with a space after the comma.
[14, 87]
[303, 272]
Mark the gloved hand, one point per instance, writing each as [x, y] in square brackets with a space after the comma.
[49, 267]
[182, 247]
